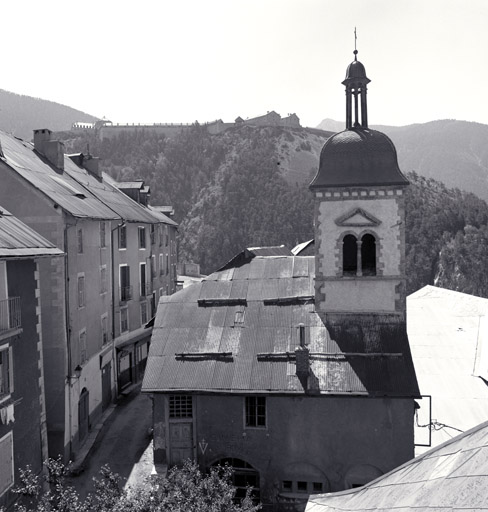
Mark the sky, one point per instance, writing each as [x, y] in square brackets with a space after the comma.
[186, 60]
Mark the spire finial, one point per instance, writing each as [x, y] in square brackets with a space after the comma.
[355, 49]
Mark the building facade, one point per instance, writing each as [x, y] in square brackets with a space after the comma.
[296, 370]
[23, 432]
[91, 322]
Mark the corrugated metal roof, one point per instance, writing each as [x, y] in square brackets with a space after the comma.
[256, 309]
[448, 336]
[57, 185]
[452, 476]
[129, 184]
[19, 240]
[161, 216]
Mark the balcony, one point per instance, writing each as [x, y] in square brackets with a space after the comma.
[146, 289]
[10, 314]
[125, 293]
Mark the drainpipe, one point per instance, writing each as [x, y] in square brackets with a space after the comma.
[68, 337]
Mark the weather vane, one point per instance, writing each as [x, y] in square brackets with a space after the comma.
[355, 49]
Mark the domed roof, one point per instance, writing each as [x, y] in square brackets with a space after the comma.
[358, 157]
[355, 70]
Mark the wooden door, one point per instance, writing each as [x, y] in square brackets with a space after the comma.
[83, 415]
[106, 385]
[181, 442]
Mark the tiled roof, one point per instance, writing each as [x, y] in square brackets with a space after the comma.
[58, 186]
[448, 335]
[19, 240]
[450, 477]
[237, 331]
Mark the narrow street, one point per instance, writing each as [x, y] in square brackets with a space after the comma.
[124, 444]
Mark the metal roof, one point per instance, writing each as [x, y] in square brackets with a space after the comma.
[251, 252]
[448, 335]
[138, 185]
[59, 186]
[253, 311]
[161, 216]
[19, 240]
[450, 477]
[298, 249]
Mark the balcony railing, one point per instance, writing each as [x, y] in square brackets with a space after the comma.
[10, 314]
[125, 293]
[146, 289]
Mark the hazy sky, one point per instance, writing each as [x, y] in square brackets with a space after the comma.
[187, 60]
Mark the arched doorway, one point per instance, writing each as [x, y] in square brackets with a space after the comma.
[244, 476]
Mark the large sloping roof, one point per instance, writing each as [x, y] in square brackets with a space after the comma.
[449, 342]
[450, 477]
[59, 186]
[237, 331]
[19, 240]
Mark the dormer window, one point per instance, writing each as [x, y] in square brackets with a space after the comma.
[359, 256]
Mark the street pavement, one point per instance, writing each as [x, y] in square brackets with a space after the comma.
[124, 443]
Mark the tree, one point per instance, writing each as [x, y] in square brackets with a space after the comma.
[184, 489]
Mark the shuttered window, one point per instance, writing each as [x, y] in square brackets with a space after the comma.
[6, 463]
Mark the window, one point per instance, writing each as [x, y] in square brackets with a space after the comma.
[153, 266]
[166, 236]
[317, 487]
[301, 486]
[103, 279]
[368, 255]
[6, 372]
[287, 485]
[124, 320]
[81, 291]
[167, 264]
[142, 279]
[79, 235]
[161, 264]
[124, 281]
[160, 235]
[153, 234]
[102, 234]
[143, 313]
[349, 256]
[82, 340]
[6, 462]
[142, 238]
[104, 321]
[255, 411]
[180, 406]
[122, 237]
[359, 257]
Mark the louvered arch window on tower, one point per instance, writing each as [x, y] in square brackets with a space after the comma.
[359, 256]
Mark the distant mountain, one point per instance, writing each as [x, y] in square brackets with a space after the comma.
[20, 115]
[454, 152]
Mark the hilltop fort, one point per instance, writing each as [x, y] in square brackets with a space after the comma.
[107, 130]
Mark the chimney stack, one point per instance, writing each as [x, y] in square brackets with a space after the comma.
[302, 355]
[52, 150]
[92, 165]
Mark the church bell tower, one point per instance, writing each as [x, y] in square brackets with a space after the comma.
[359, 194]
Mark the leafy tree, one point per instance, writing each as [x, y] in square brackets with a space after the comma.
[184, 489]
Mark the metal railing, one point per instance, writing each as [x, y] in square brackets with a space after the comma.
[10, 314]
[146, 289]
[125, 293]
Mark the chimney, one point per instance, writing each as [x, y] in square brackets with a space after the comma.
[52, 150]
[302, 355]
[92, 165]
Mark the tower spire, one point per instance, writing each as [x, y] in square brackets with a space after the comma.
[356, 87]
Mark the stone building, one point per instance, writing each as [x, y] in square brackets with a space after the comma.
[23, 433]
[120, 256]
[296, 370]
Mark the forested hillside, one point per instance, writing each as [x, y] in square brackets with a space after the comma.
[233, 190]
[21, 115]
